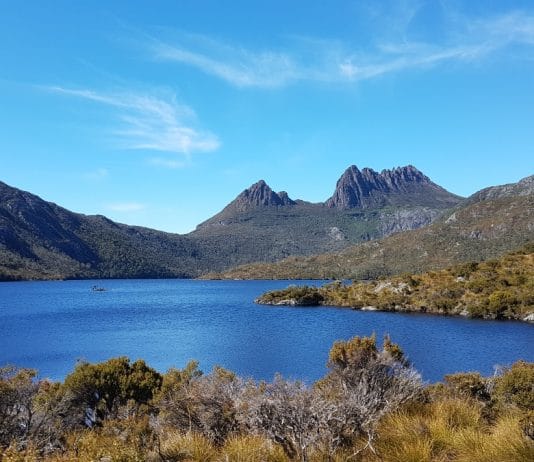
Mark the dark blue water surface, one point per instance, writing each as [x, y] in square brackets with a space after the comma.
[51, 325]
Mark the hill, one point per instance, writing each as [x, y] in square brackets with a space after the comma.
[486, 225]
[496, 289]
[40, 240]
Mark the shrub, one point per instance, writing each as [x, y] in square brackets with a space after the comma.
[468, 384]
[516, 385]
[18, 388]
[96, 391]
[204, 404]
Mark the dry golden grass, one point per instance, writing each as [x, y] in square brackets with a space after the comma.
[190, 447]
[12, 454]
[251, 449]
[451, 430]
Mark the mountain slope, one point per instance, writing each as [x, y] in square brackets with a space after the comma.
[524, 187]
[485, 227]
[40, 240]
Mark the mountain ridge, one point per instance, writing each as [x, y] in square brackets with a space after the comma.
[483, 226]
[41, 240]
[401, 187]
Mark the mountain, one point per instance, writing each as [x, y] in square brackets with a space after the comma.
[262, 225]
[41, 240]
[486, 225]
[399, 186]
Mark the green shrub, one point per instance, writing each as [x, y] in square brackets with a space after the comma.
[516, 385]
[468, 384]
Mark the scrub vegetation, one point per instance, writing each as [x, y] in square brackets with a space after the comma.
[371, 406]
[496, 289]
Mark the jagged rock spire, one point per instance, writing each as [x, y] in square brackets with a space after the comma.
[367, 188]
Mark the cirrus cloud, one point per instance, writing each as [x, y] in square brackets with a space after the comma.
[147, 122]
[323, 60]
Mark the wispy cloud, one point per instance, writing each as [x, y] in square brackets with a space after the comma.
[125, 207]
[150, 123]
[237, 65]
[465, 40]
[472, 40]
[514, 27]
[358, 68]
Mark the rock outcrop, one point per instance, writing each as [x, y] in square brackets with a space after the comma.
[524, 187]
[260, 194]
[367, 188]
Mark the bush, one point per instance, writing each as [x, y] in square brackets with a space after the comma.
[516, 385]
[96, 391]
[468, 384]
[203, 404]
[18, 388]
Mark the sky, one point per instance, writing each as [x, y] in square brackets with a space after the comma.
[158, 113]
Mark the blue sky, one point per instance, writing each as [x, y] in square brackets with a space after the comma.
[159, 113]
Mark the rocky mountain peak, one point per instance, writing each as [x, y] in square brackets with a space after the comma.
[407, 185]
[402, 177]
[258, 195]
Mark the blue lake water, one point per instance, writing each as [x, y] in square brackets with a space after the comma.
[51, 325]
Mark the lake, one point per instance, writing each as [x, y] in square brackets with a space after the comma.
[51, 325]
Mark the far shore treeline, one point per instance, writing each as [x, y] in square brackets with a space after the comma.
[371, 406]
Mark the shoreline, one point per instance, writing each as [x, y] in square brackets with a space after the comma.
[528, 319]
